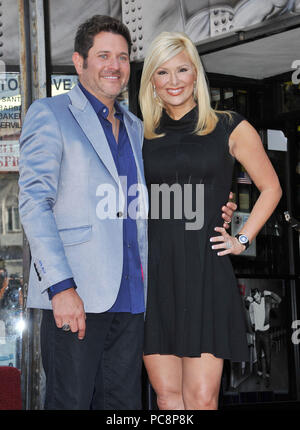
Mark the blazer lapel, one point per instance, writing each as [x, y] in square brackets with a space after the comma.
[87, 119]
[136, 145]
[134, 138]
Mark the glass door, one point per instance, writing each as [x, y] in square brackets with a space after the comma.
[11, 237]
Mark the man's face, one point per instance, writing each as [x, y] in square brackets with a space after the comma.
[257, 297]
[105, 72]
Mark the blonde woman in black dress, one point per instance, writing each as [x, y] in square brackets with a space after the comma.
[194, 316]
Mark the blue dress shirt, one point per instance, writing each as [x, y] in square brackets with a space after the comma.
[131, 294]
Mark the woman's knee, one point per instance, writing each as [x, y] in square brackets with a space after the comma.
[201, 399]
[169, 399]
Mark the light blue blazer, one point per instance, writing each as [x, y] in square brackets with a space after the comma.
[64, 157]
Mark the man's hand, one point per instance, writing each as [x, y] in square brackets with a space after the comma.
[228, 211]
[68, 309]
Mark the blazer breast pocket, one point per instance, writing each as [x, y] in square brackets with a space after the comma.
[75, 235]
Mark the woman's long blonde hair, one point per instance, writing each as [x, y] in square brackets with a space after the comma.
[163, 48]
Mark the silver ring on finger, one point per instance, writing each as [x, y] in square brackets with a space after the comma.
[227, 222]
[66, 327]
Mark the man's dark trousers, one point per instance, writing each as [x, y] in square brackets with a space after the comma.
[102, 371]
[263, 344]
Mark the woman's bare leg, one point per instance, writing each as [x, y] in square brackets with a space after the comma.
[165, 375]
[201, 381]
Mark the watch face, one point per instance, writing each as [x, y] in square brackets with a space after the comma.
[243, 239]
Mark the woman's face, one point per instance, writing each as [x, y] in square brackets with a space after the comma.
[174, 83]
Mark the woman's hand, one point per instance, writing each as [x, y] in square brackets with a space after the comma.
[228, 210]
[230, 243]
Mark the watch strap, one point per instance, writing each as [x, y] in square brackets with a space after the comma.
[246, 243]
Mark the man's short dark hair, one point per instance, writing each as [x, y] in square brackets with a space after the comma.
[86, 32]
[254, 291]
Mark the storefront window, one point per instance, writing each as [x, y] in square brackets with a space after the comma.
[11, 237]
[215, 98]
[242, 102]
[290, 97]
[228, 99]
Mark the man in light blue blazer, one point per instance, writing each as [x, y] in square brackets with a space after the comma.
[81, 152]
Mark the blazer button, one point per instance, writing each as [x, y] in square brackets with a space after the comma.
[119, 214]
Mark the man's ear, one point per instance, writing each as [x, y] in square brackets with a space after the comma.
[78, 62]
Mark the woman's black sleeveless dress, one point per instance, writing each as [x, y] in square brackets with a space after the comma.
[193, 304]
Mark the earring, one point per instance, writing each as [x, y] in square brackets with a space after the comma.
[154, 92]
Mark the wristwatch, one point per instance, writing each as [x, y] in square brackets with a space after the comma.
[243, 239]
